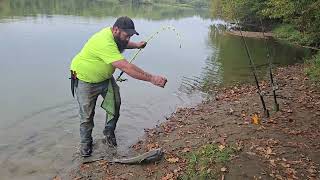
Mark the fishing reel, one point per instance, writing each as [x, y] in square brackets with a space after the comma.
[121, 80]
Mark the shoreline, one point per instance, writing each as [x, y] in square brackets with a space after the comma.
[251, 34]
[267, 35]
[286, 145]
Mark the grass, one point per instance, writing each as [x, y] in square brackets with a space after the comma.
[206, 162]
[313, 68]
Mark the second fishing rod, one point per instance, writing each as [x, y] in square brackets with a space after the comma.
[272, 83]
[254, 72]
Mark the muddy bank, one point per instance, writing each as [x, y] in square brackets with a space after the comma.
[251, 34]
[217, 139]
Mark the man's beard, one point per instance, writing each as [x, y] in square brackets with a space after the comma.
[122, 45]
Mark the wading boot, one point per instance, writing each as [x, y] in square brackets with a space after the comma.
[110, 137]
[86, 150]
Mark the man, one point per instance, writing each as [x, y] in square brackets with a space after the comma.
[92, 70]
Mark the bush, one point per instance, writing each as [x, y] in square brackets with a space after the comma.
[299, 21]
[313, 68]
[291, 34]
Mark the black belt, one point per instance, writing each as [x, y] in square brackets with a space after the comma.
[74, 81]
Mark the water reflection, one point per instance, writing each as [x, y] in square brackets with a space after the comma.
[228, 63]
[94, 8]
[39, 49]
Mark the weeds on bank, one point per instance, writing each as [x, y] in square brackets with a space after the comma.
[313, 68]
[207, 162]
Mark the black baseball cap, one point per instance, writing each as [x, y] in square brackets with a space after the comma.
[126, 24]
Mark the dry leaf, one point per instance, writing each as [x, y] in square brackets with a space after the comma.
[176, 171]
[231, 111]
[256, 119]
[272, 162]
[279, 177]
[221, 147]
[222, 140]
[186, 149]
[285, 165]
[223, 169]
[243, 113]
[172, 160]
[209, 171]
[83, 167]
[312, 170]
[251, 153]
[190, 132]
[168, 177]
[152, 146]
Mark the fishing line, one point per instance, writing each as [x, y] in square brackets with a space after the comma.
[149, 39]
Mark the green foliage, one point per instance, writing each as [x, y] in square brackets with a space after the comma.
[289, 33]
[279, 8]
[243, 10]
[203, 163]
[301, 17]
[313, 68]
[101, 8]
[294, 21]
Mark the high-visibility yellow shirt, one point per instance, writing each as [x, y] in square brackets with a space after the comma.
[93, 63]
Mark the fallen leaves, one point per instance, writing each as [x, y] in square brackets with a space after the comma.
[265, 152]
[168, 176]
[255, 119]
[230, 111]
[221, 147]
[223, 169]
[152, 146]
[271, 146]
[285, 165]
[272, 162]
[173, 160]
[84, 167]
[186, 149]
[312, 169]
[269, 151]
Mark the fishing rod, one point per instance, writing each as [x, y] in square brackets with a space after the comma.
[254, 70]
[272, 83]
[151, 37]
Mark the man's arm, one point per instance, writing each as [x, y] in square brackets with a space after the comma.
[136, 45]
[137, 73]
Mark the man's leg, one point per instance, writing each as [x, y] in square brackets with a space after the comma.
[87, 95]
[108, 131]
[110, 126]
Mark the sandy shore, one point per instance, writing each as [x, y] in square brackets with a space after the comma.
[251, 34]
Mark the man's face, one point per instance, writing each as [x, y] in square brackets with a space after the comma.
[122, 38]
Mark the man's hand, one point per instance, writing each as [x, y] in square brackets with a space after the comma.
[158, 81]
[141, 44]
[137, 73]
